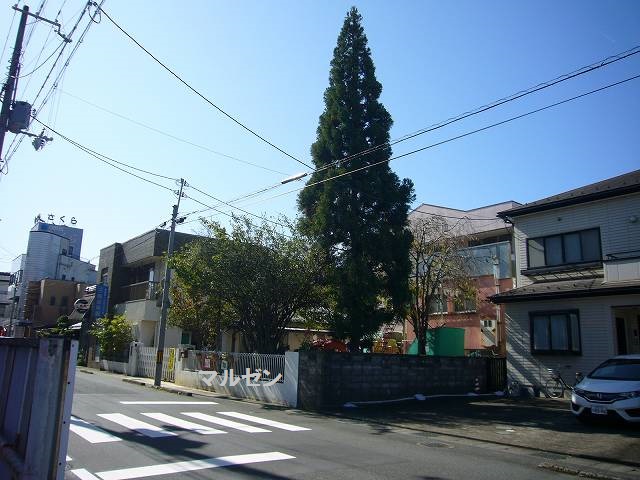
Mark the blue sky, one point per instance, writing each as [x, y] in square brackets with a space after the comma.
[267, 63]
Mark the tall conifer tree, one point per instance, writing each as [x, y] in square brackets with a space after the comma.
[359, 219]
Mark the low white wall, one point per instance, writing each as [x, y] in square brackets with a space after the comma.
[285, 393]
[127, 368]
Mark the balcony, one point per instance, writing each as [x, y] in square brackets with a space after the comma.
[622, 266]
[140, 291]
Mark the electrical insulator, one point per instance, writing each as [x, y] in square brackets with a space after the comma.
[38, 143]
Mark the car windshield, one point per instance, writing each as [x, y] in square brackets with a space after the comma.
[618, 370]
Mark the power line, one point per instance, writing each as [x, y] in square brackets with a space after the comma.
[457, 137]
[17, 140]
[102, 158]
[253, 132]
[43, 63]
[515, 96]
[161, 132]
[235, 207]
[541, 86]
[89, 150]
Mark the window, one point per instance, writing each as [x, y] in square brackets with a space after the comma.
[564, 249]
[464, 303]
[52, 301]
[70, 250]
[487, 323]
[437, 305]
[555, 332]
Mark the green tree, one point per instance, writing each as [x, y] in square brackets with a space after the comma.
[114, 336]
[359, 219]
[253, 280]
[61, 329]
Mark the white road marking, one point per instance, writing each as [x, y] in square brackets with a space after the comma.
[224, 422]
[137, 425]
[184, 424]
[190, 466]
[83, 474]
[90, 432]
[264, 421]
[166, 403]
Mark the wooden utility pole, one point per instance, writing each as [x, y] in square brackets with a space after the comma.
[12, 79]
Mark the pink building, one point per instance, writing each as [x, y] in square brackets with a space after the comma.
[489, 248]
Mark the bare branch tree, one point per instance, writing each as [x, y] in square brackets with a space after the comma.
[438, 265]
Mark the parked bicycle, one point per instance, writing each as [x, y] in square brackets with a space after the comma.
[556, 385]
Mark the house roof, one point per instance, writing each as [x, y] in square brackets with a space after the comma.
[589, 287]
[612, 187]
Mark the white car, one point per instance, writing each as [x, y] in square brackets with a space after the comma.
[612, 389]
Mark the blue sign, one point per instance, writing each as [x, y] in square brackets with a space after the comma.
[100, 302]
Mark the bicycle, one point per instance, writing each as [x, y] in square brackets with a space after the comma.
[513, 389]
[556, 385]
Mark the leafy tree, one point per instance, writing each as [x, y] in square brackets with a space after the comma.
[359, 219]
[193, 307]
[253, 279]
[440, 269]
[61, 329]
[114, 336]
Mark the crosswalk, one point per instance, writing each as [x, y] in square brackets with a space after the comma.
[95, 434]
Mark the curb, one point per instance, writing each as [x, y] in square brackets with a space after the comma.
[165, 389]
[578, 473]
[495, 442]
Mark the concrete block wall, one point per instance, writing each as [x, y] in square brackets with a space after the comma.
[329, 379]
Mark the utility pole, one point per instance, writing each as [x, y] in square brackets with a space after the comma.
[165, 291]
[12, 79]
[499, 323]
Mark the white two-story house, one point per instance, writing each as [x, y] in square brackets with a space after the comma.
[577, 296]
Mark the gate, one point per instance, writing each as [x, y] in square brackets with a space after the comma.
[36, 391]
[496, 374]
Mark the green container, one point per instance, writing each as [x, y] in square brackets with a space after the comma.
[443, 341]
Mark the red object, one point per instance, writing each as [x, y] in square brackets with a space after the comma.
[329, 345]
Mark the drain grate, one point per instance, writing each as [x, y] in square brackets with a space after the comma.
[435, 444]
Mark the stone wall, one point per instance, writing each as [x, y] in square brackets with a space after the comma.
[328, 379]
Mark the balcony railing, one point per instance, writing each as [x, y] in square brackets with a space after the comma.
[622, 266]
[140, 291]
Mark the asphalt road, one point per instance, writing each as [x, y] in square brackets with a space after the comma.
[120, 431]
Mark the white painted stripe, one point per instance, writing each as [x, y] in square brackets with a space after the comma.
[90, 432]
[83, 474]
[137, 425]
[190, 466]
[184, 424]
[264, 421]
[166, 403]
[224, 422]
[69, 458]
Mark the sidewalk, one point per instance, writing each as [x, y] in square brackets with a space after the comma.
[541, 424]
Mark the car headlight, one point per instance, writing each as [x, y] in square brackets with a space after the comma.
[578, 391]
[630, 394]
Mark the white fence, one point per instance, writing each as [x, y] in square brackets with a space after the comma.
[276, 380]
[211, 371]
[146, 358]
[142, 363]
[270, 367]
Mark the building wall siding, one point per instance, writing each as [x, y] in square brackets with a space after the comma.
[597, 326]
[612, 216]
